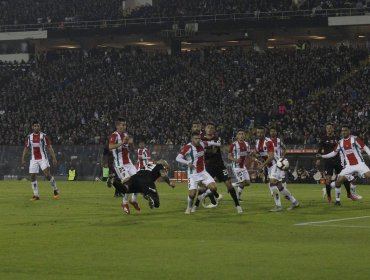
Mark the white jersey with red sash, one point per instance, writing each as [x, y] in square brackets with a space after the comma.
[264, 147]
[38, 143]
[143, 158]
[350, 150]
[278, 143]
[120, 154]
[239, 150]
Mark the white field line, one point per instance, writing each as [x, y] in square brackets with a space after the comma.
[330, 221]
[339, 226]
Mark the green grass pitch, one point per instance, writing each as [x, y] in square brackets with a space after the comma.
[84, 235]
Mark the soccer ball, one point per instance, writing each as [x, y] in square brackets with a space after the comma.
[282, 164]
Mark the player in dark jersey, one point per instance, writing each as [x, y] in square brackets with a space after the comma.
[144, 182]
[327, 144]
[215, 165]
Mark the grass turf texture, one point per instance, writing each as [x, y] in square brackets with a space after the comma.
[84, 235]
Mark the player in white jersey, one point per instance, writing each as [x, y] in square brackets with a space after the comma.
[265, 147]
[39, 143]
[238, 153]
[143, 156]
[350, 147]
[192, 155]
[119, 145]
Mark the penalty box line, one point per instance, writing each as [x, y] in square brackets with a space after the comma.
[331, 221]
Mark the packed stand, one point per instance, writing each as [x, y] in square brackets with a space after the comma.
[76, 95]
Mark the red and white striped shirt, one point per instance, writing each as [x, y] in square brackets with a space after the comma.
[143, 158]
[120, 154]
[239, 150]
[278, 143]
[350, 150]
[264, 147]
[37, 143]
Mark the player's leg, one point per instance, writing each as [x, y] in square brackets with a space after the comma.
[340, 180]
[274, 190]
[192, 191]
[122, 174]
[151, 194]
[328, 176]
[46, 170]
[352, 181]
[286, 193]
[34, 170]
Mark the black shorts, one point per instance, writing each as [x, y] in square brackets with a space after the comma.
[219, 172]
[331, 166]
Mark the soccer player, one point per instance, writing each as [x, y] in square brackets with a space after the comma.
[238, 152]
[119, 145]
[38, 142]
[192, 155]
[215, 165]
[144, 182]
[335, 164]
[350, 147]
[143, 155]
[265, 148]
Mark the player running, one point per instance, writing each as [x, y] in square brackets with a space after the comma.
[350, 147]
[38, 142]
[143, 155]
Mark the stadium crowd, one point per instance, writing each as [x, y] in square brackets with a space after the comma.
[47, 11]
[77, 94]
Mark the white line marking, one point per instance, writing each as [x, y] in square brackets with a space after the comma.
[330, 221]
[340, 226]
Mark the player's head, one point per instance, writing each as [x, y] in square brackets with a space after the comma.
[36, 126]
[210, 128]
[196, 126]
[273, 132]
[346, 131]
[164, 163]
[195, 138]
[329, 129]
[121, 124]
[260, 132]
[240, 135]
[141, 144]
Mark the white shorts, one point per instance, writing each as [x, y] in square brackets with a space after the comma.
[35, 165]
[125, 171]
[276, 173]
[241, 174]
[203, 177]
[360, 168]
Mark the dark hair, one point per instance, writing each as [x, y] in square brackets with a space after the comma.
[347, 126]
[329, 123]
[210, 123]
[273, 127]
[118, 120]
[35, 122]
[240, 129]
[261, 127]
[196, 122]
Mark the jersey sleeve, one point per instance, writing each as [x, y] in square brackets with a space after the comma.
[113, 139]
[27, 142]
[231, 148]
[359, 142]
[47, 140]
[185, 150]
[336, 148]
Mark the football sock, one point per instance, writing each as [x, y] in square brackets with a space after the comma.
[134, 197]
[240, 190]
[328, 190]
[190, 202]
[286, 193]
[235, 185]
[125, 198]
[337, 193]
[215, 193]
[212, 199]
[53, 184]
[275, 195]
[234, 196]
[35, 188]
[347, 185]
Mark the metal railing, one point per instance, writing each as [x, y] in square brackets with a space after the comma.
[125, 22]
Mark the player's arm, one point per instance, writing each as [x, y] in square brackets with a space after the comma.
[362, 146]
[164, 175]
[270, 153]
[51, 152]
[230, 154]
[112, 142]
[211, 143]
[180, 157]
[329, 155]
[25, 152]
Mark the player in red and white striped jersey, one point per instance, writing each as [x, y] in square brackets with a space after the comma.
[265, 147]
[350, 147]
[143, 155]
[192, 155]
[119, 145]
[238, 152]
[39, 143]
